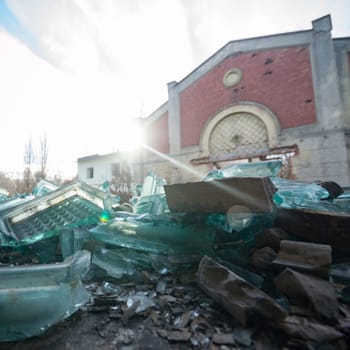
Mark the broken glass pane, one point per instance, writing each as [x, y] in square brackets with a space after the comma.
[156, 235]
[112, 262]
[154, 204]
[72, 240]
[43, 187]
[340, 272]
[35, 297]
[144, 302]
[297, 194]
[152, 184]
[43, 217]
[254, 169]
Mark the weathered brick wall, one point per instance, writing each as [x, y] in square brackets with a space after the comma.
[280, 79]
[156, 134]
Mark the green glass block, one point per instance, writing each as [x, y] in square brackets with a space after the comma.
[156, 236]
[35, 297]
[154, 204]
[113, 262]
[297, 194]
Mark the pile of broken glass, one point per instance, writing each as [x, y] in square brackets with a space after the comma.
[51, 238]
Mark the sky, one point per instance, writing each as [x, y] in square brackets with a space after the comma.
[80, 71]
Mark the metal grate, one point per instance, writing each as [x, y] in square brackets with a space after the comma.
[238, 133]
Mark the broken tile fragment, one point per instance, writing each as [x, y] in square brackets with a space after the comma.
[270, 238]
[306, 257]
[178, 336]
[263, 258]
[316, 291]
[235, 295]
[243, 336]
[309, 330]
[183, 320]
[224, 339]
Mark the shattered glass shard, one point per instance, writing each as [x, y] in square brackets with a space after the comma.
[254, 169]
[112, 262]
[297, 194]
[156, 236]
[33, 298]
[71, 206]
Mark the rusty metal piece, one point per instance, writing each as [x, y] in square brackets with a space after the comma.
[262, 153]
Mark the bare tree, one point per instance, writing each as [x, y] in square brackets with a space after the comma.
[7, 183]
[42, 158]
[43, 155]
[121, 182]
[28, 154]
[28, 157]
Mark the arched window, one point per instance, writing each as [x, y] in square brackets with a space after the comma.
[242, 128]
[240, 132]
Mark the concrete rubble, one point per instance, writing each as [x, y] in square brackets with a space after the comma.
[242, 259]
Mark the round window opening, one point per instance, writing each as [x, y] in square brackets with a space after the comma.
[232, 77]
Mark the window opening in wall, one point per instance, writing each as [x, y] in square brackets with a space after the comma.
[240, 133]
[115, 169]
[90, 173]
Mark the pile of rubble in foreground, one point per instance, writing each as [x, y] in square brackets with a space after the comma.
[242, 259]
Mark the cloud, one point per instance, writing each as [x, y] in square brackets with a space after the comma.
[103, 62]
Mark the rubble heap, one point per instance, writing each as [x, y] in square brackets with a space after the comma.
[242, 259]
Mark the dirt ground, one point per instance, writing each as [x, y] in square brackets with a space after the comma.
[182, 317]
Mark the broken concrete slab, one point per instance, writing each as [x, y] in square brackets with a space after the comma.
[218, 196]
[318, 293]
[315, 226]
[238, 297]
[302, 256]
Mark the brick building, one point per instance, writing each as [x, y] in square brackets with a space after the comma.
[281, 96]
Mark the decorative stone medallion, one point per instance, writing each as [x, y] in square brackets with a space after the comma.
[232, 77]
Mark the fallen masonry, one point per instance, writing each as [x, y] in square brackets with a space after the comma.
[242, 259]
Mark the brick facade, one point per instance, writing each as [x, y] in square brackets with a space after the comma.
[156, 134]
[297, 84]
[279, 79]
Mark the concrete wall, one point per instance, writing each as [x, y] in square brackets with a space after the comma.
[102, 165]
